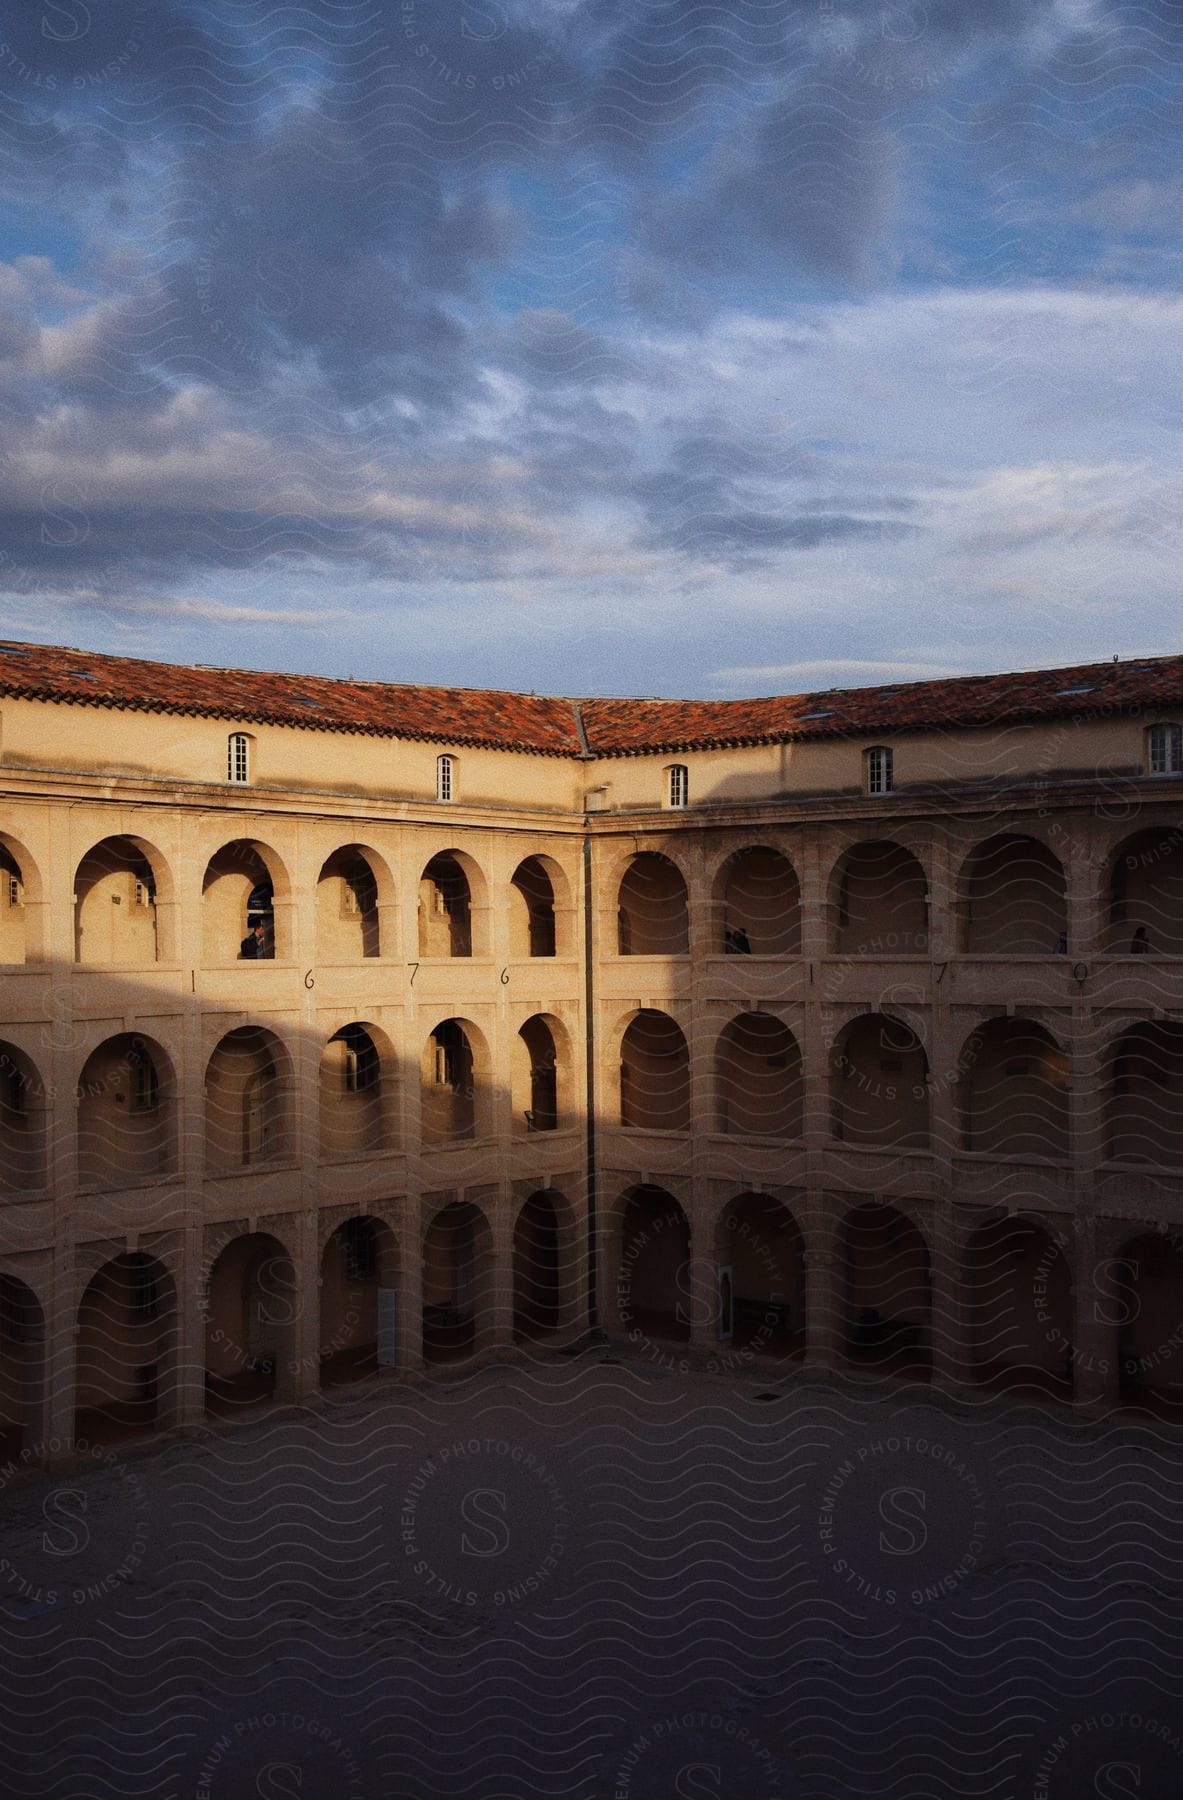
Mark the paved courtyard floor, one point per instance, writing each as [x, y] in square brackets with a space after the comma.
[609, 1580]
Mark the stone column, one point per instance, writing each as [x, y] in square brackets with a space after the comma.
[825, 1348]
[952, 1361]
[1095, 1372]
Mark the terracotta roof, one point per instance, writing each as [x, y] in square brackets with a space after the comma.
[379, 709]
[560, 727]
[638, 727]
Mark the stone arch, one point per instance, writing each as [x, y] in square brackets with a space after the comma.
[1145, 1094]
[127, 1113]
[126, 1349]
[22, 1364]
[359, 1263]
[253, 1303]
[654, 1073]
[1018, 1307]
[1012, 898]
[653, 908]
[453, 906]
[20, 903]
[121, 886]
[1147, 1282]
[1145, 894]
[757, 903]
[357, 1092]
[540, 1075]
[245, 884]
[454, 1084]
[759, 1241]
[1013, 1090]
[878, 901]
[652, 1290]
[541, 916]
[545, 1265]
[879, 1084]
[458, 1278]
[353, 885]
[759, 1078]
[248, 1100]
[886, 1287]
[24, 1123]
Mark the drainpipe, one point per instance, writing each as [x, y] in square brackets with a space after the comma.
[595, 1332]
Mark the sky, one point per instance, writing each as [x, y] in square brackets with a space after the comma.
[593, 346]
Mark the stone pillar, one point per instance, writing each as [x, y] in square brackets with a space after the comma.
[182, 1378]
[409, 1306]
[952, 1361]
[500, 1307]
[298, 1374]
[1095, 1372]
[825, 1347]
[55, 1432]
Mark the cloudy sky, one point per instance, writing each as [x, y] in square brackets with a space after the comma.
[593, 345]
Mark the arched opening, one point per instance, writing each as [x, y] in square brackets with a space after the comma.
[1014, 1090]
[347, 908]
[533, 922]
[1018, 1298]
[759, 1247]
[115, 904]
[358, 1288]
[445, 908]
[126, 1113]
[447, 1085]
[535, 1075]
[24, 1117]
[1146, 895]
[240, 921]
[355, 1109]
[1013, 899]
[879, 1085]
[252, 1308]
[125, 1349]
[1145, 1121]
[543, 1252]
[15, 945]
[457, 1282]
[654, 1074]
[759, 1088]
[758, 904]
[653, 908]
[247, 1100]
[879, 901]
[886, 1292]
[1148, 1281]
[653, 1289]
[22, 1364]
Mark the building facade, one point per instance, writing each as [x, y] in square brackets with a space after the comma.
[348, 1027]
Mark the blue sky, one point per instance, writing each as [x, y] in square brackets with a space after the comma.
[593, 346]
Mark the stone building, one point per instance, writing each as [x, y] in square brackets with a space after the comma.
[348, 1026]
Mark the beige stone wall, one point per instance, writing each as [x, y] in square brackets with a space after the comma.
[997, 1085]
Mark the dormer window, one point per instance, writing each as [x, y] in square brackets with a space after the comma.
[678, 788]
[880, 770]
[1164, 749]
[445, 777]
[238, 758]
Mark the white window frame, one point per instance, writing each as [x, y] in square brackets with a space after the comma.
[677, 793]
[238, 759]
[1164, 748]
[880, 769]
[445, 778]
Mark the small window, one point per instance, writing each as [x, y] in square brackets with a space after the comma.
[1165, 749]
[360, 1250]
[238, 758]
[679, 789]
[13, 889]
[880, 770]
[445, 777]
[145, 1086]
